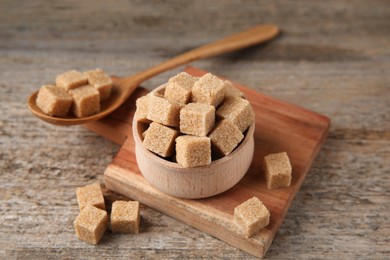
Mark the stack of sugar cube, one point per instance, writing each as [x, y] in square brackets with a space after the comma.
[80, 92]
[194, 119]
[92, 222]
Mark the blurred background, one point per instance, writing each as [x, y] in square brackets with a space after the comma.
[332, 57]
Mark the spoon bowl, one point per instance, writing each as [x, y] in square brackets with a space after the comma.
[118, 93]
[123, 87]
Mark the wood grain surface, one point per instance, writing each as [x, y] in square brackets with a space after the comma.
[333, 57]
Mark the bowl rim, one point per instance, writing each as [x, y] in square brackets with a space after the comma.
[137, 139]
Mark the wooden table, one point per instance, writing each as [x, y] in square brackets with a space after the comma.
[333, 57]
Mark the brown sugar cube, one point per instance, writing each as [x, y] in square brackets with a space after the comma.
[90, 195]
[197, 119]
[144, 134]
[192, 151]
[277, 170]
[91, 224]
[71, 79]
[225, 137]
[251, 216]
[86, 101]
[237, 110]
[125, 217]
[160, 139]
[53, 100]
[101, 81]
[209, 89]
[231, 90]
[179, 88]
[141, 112]
[163, 111]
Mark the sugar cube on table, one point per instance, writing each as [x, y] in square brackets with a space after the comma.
[71, 79]
[125, 217]
[251, 216]
[192, 151]
[237, 110]
[225, 137]
[197, 119]
[179, 88]
[86, 101]
[278, 170]
[209, 89]
[53, 100]
[101, 81]
[90, 195]
[163, 111]
[91, 224]
[160, 139]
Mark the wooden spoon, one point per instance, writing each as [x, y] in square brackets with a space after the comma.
[123, 87]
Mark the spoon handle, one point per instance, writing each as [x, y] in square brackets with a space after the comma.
[249, 37]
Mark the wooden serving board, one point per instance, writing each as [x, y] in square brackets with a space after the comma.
[280, 126]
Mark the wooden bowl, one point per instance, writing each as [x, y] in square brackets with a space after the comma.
[196, 182]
